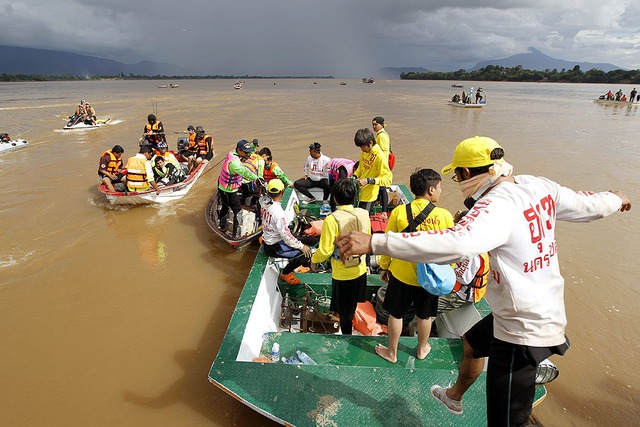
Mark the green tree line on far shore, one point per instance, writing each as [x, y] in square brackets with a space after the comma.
[496, 73]
[73, 77]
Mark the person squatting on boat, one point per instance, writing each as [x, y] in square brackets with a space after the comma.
[339, 168]
[512, 218]
[373, 169]
[110, 167]
[229, 182]
[315, 175]
[139, 172]
[403, 289]
[348, 278]
[277, 239]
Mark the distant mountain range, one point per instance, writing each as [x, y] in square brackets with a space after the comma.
[22, 60]
[532, 60]
[536, 60]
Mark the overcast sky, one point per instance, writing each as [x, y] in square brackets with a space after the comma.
[343, 38]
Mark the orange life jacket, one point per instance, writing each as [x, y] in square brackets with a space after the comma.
[202, 145]
[268, 174]
[114, 164]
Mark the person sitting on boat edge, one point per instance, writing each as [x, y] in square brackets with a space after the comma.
[271, 169]
[349, 278]
[277, 239]
[404, 289]
[110, 167]
[204, 145]
[90, 114]
[190, 148]
[373, 169]
[229, 182]
[315, 175]
[140, 172]
[513, 218]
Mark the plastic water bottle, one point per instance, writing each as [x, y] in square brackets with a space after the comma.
[275, 352]
[291, 361]
[325, 210]
[304, 358]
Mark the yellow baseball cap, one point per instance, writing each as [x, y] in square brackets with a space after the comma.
[275, 186]
[472, 153]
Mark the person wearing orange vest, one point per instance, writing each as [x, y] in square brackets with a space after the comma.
[271, 169]
[139, 171]
[90, 113]
[110, 168]
[153, 131]
[203, 143]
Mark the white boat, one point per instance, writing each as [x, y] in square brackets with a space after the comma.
[8, 144]
[76, 122]
[168, 193]
[170, 85]
[467, 105]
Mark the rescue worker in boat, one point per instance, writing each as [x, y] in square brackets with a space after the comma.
[339, 168]
[230, 180]
[139, 171]
[272, 170]
[163, 173]
[479, 95]
[204, 145]
[255, 163]
[153, 131]
[80, 112]
[190, 148]
[110, 167]
[171, 163]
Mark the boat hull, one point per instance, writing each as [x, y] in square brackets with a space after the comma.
[213, 221]
[168, 193]
[463, 105]
[83, 125]
[613, 102]
[350, 384]
[13, 144]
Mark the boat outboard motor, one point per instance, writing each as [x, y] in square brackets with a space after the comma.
[183, 142]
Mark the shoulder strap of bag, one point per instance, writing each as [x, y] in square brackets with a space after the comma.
[419, 219]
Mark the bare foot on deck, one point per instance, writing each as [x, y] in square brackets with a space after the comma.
[384, 352]
[424, 352]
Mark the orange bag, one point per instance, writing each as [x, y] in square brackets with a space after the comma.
[392, 160]
[315, 229]
[364, 320]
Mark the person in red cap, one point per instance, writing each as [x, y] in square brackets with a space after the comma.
[513, 218]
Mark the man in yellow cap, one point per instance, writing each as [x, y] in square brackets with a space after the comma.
[276, 236]
[512, 218]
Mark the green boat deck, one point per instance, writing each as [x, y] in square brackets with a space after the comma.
[350, 385]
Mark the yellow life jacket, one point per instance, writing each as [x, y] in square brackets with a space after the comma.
[137, 174]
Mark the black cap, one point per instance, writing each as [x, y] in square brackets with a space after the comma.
[315, 146]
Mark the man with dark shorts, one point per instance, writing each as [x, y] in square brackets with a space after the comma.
[513, 218]
[110, 167]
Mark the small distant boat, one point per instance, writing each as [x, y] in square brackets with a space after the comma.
[343, 83]
[467, 105]
[368, 80]
[170, 85]
[8, 144]
[168, 193]
[78, 122]
[603, 100]
[457, 85]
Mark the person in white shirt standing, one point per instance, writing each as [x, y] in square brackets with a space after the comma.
[315, 175]
[513, 218]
